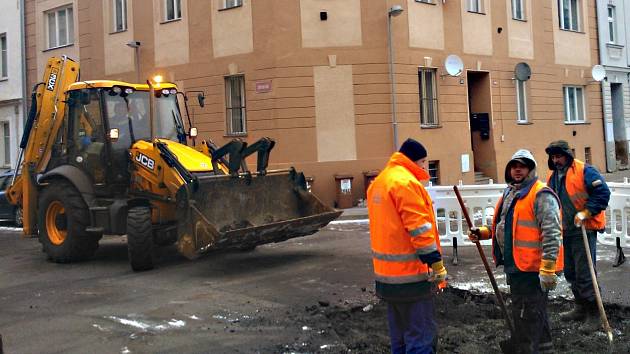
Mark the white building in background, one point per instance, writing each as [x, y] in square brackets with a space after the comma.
[613, 21]
[11, 82]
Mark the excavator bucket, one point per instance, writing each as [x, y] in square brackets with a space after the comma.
[247, 210]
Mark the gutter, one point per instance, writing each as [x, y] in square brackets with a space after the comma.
[23, 48]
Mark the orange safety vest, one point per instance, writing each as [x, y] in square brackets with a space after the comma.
[402, 222]
[526, 233]
[576, 189]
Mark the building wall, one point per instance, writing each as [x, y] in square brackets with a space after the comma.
[329, 106]
[11, 86]
[614, 57]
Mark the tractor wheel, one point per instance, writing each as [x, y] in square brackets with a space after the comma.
[140, 238]
[62, 220]
[18, 220]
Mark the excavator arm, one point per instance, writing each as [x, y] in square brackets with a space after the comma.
[45, 118]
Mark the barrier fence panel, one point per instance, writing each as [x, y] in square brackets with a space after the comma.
[480, 201]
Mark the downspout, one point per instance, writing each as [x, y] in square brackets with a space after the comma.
[19, 126]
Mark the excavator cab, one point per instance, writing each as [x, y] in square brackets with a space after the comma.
[110, 157]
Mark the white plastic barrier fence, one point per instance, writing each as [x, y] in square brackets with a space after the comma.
[480, 201]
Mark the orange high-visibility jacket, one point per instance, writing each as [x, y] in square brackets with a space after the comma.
[576, 189]
[526, 233]
[402, 222]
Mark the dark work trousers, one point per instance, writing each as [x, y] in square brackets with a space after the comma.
[412, 327]
[576, 265]
[532, 331]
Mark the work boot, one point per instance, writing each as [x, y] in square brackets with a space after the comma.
[578, 313]
[591, 322]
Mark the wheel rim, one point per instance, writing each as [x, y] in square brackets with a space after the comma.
[56, 235]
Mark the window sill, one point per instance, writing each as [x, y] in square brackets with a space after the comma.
[430, 126]
[234, 135]
[476, 12]
[230, 8]
[570, 30]
[614, 45]
[5, 78]
[170, 21]
[432, 2]
[519, 19]
[116, 32]
[59, 47]
[577, 123]
[524, 123]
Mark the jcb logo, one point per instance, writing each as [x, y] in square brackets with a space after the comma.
[52, 80]
[145, 161]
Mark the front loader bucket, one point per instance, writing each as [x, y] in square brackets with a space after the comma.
[246, 211]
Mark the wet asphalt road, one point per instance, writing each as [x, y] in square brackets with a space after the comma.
[222, 303]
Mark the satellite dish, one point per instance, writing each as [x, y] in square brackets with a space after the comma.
[454, 65]
[522, 72]
[598, 73]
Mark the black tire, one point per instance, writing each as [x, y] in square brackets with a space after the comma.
[140, 238]
[18, 218]
[62, 219]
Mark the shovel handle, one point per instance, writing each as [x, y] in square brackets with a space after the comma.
[598, 296]
[482, 255]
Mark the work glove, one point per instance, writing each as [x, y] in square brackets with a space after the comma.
[581, 216]
[439, 272]
[547, 275]
[475, 234]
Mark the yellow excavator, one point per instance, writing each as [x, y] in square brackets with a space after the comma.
[109, 157]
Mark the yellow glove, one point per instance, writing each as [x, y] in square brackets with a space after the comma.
[439, 272]
[581, 216]
[475, 234]
[547, 275]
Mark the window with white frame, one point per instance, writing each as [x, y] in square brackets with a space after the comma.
[612, 24]
[235, 105]
[574, 104]
[518, 9]
[569, 14]
[228, 4]
[6, 134]
[521, 101]
[60, 24]
[172, 10]
[434, 172]
[475, 6]
[4, 72]
[428, 97]
[119, 15]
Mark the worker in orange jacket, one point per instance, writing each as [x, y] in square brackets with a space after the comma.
[406, 249]
[527, 240]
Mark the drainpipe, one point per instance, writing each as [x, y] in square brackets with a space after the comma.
[20, 127]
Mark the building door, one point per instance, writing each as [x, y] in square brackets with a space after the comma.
[482, 137]
[619, 126]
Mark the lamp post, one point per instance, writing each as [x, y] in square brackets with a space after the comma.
[136, 57]
[392, 12]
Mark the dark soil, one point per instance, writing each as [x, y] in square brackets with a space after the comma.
[468, 323]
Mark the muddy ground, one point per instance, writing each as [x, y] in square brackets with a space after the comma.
[468, 323]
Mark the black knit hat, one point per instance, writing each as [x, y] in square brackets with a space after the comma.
[559, 147]
[413, 150]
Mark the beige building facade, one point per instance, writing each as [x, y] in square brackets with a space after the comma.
[314, 75]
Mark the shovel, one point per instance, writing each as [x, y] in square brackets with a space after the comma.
[598, 296]
[508, 320]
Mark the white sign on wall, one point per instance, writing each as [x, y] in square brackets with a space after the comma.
[465, 163]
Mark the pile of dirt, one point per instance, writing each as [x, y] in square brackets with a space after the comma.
[468, 323]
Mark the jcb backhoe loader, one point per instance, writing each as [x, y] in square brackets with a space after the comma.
[109, 157]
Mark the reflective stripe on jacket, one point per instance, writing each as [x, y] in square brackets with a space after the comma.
[576, 189]
[402, 222]
[527, 237]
